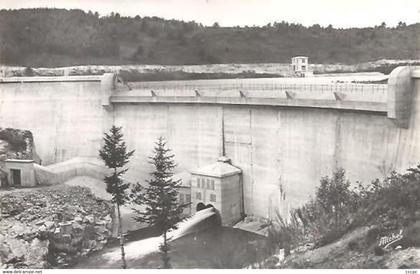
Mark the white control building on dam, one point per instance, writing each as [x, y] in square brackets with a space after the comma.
[282, 134]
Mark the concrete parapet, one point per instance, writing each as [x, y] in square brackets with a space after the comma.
[220, 87]
[64, 171]
[46, 79]
[415, 72]
[44, 176]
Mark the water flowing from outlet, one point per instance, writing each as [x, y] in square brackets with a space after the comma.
[135, 250]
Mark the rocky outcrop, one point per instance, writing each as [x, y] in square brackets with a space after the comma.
[17, 144]
[51, 227]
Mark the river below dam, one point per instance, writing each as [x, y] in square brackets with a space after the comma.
[199, 242]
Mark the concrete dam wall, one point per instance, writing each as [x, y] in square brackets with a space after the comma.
[285, 134]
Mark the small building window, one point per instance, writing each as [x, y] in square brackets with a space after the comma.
[212, 184]
[198, 182]
[188, 198]
[181, 198]
[212, 197]
[198, 195]
[203, 183]
[208, 183]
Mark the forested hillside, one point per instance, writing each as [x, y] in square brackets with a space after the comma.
[58, 37]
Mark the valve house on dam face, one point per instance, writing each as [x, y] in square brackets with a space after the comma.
[218, 185]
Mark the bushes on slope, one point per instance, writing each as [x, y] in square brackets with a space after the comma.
[337, 208]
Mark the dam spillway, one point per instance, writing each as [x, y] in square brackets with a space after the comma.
[284, 134]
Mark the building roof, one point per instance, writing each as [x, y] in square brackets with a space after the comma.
[185, 178]
[26, 161]
[222, 168]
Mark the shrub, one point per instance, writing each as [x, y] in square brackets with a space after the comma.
[284, 236]
[378, 251]
[411, 235]
[372, 235]
[15, 138]
[353, 245]
[388, 205]
[393, 203]
[325, 218]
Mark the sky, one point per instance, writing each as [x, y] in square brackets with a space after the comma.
[339, 13]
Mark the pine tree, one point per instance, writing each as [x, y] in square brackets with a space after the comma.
[114, 154]
[160, 197]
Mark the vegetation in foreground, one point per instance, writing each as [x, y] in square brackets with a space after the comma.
[114, 154]
[342, 222]
[58, 37]
[160, 197]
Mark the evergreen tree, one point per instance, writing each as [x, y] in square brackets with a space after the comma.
[114, 154]
[160, 197]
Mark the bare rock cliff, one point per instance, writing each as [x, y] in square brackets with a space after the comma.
[52, 226]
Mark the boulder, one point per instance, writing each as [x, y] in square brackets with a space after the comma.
[271, 262]
[108, 218]
[66, 227]
[57, 232]
[90, 219]
[101, 230]
[37, 253]
[77, 227]
[78, 219]
[49, 224]
[40, 222]
[17, 247]
[4, 252]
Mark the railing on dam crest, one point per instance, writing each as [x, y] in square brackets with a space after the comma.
[271, 92]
